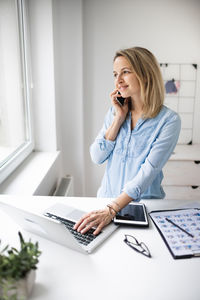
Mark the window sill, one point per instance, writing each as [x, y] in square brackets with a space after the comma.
[37, 175]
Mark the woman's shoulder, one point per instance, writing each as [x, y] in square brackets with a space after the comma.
[168, 113]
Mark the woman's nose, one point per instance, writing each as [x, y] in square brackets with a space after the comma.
[119, 78]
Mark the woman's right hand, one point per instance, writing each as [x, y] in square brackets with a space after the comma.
[120, 110]
[97, 219]
[119, 116]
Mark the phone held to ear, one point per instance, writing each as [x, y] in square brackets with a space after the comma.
[120, 99]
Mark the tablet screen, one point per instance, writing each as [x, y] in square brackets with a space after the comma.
[132, 214]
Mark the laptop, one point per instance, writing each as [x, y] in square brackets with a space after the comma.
[56, 224]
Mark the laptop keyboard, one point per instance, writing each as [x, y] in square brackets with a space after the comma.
[83, 239]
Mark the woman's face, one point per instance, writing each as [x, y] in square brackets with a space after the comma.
[125, 79]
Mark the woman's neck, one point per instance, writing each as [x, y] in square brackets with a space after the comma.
[136, 105]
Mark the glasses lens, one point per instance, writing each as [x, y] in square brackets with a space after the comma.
[132, 240]
[145, 249]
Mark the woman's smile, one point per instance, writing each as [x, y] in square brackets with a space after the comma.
[122, 88]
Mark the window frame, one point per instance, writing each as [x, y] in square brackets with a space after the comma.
[12, 161]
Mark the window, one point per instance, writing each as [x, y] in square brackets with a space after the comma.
[16, 140]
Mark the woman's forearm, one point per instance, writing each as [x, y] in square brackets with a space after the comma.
[113, 130]
[121, 201]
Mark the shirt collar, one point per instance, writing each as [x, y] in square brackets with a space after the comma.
[139, 122]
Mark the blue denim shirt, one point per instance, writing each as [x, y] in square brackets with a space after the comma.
[136, 158]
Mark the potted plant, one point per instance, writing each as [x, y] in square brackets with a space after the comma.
[17, 270]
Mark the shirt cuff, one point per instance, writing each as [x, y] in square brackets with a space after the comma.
[106, 145]
[134, 193]
[101, 149]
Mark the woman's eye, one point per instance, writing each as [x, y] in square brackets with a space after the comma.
[115, 75]
[126, 71]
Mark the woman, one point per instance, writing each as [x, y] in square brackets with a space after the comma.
[137, 137]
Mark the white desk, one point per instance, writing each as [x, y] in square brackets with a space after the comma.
[114, 270]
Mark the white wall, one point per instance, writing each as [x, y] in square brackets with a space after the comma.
[67, 19]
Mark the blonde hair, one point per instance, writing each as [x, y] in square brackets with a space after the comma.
[147, 70]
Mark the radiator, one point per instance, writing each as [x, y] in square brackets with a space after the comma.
[65, 187]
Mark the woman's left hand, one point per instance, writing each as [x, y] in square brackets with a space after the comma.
[97, 219]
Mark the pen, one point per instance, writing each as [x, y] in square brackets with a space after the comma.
[168, 220]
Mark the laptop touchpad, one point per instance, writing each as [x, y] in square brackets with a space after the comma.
[75, 215]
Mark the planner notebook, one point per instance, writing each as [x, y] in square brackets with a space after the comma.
[180, 230]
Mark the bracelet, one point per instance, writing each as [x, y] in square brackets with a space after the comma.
[110, 207]
[117, 205]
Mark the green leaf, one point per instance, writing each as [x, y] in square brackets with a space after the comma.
[21, 238]
[4, 249]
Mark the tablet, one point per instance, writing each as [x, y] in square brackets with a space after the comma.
[132, 214]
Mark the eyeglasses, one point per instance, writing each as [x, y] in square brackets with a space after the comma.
[132, 242]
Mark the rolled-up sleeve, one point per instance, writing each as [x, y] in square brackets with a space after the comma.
[101, 149]
[159, 154]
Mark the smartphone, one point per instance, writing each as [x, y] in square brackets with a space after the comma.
[120, 99]
[133, 214]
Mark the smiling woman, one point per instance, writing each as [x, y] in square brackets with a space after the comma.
[16, 140]
[148, 77]
[137, 138]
